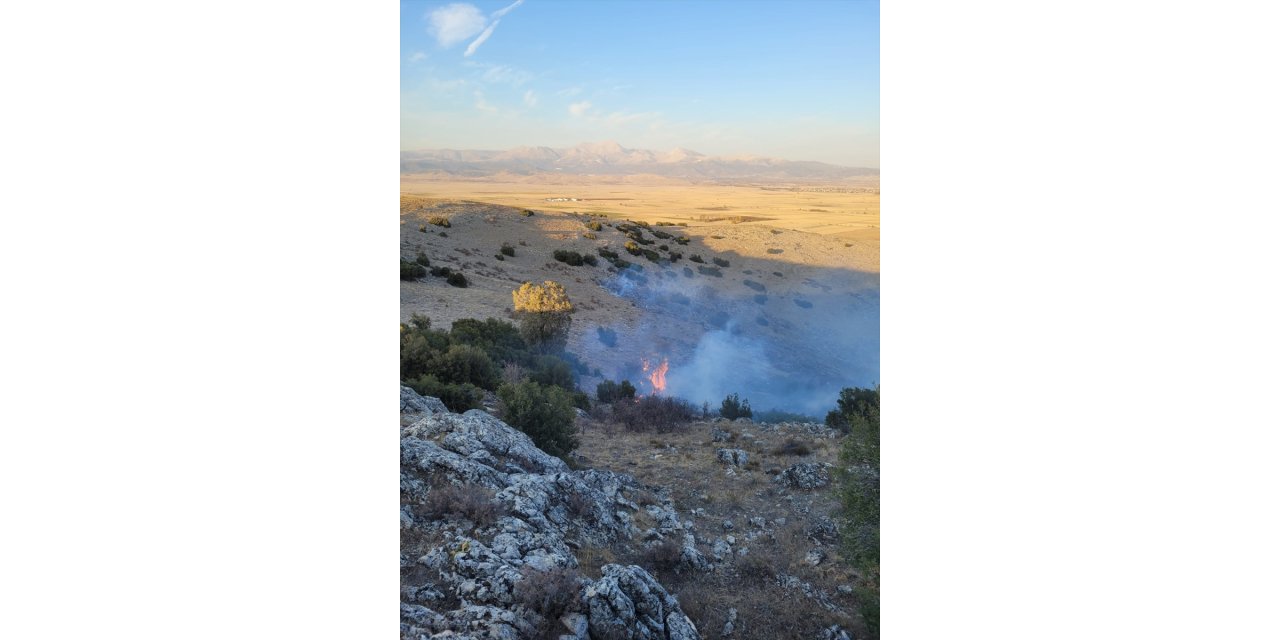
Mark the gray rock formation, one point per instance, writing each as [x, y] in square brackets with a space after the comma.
[805, 475]
[464, 571]
[732, 457]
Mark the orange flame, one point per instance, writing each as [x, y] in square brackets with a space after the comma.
[657, 375]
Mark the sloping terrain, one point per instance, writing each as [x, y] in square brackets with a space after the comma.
[785, 318]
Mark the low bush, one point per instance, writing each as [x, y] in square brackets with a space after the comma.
[439, 221]
[456, 279]
[458, 398]
[422, 228]
[507, 250]
[773, 251]
[710, 271]
[682, 240]
[654, 413]
[752, 284]
[792, 447]
[411, 271]
[594, 225]
[803, 304]
[589, 235]
[688, 273]
[527, 213]
[422, 259]
[466, 364]
[695, 258]
[652, 255]
[663, 557]
[544, 413]
[608, 337]
[550, 370]
[441, 272]
[609, 392]
[632, 248]
[720, 262]
[550, 594]
[571, 258]
[733, 408]
[466, 502]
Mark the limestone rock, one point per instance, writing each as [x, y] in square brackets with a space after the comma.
[732, 457]
[805, 475]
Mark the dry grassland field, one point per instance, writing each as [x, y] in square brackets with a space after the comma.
[850, 211]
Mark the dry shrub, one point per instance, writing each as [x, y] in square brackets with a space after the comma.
[792, 447]
[591, 559]
[657, 413]
[549, 593]
[580, 505]
[663, 557]
[467, 502]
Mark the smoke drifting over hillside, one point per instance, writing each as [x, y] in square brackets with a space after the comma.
[791, 350]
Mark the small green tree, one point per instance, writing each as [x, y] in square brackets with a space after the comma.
[545, 413]
[610, 392]
[733, 408]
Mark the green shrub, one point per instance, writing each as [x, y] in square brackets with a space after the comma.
[465, 364]
[590, 260]
[544, 413]
[571, 258]
[696, 258]
[422, 259]
[498, 257]
[594, 225]
[507, 250]
[527, 213]
[733, 408]
[607, 254]
[552, 371]
[581, 400]
[499, 339]
[609, 392]
[710, 271]
[682, 240]
[456, 279]
[632, 248]
[441, 272]
[720, 262]
[457, 397]
[411, 271]
[439, 221]
[652, 255]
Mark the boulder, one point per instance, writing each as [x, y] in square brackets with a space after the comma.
[732, 457]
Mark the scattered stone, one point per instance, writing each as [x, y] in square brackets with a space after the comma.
[757, 522]
[734, 457]
[845, 589]
[720, 435]
[729, 622]
[727, 525]
[814, 557]
[833, 632]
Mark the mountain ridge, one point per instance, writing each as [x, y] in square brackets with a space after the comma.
[610, 158]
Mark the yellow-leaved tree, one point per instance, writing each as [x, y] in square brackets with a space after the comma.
[544, 314]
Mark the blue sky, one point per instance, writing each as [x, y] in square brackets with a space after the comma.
[795, 80]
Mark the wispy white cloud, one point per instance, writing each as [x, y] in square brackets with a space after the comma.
[456, 22]
[502, 74]
[417, 56]
[488, 31]
[569, 92]
[502, 12]
[578, 108]
[475, 44]
[530, 99]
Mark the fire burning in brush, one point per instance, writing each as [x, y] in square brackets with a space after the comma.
[657, 375]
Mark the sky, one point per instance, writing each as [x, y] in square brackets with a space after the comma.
[796, 80]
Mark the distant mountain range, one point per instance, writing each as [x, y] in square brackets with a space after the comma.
[611, 158]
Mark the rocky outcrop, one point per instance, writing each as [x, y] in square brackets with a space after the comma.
[464, 569]
[805, 475]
